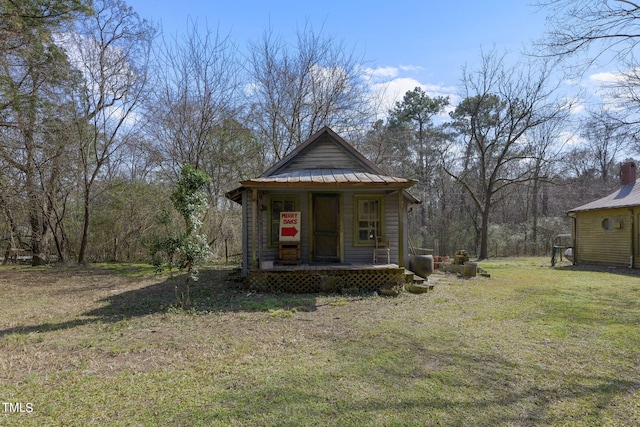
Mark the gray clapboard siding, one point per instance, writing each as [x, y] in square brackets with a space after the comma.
[324, 155]
[364, 254]
[352, 253]
[323, 164]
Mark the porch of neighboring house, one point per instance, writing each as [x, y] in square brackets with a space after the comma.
[310, 278]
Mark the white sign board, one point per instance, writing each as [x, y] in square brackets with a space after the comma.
[289, 227]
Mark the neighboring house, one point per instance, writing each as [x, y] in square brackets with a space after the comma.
[607, 231]
[344, 201]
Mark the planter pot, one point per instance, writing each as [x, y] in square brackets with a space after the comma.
[470, 269]
[422, 265]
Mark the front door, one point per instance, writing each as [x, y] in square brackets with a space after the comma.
[326, 227]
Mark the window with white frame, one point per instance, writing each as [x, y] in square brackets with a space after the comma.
[368, 219]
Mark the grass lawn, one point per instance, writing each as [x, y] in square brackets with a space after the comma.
[530, 346]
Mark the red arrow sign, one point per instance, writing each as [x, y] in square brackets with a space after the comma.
[289, 231]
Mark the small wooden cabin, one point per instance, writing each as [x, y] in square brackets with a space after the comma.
[341, 204]
[607, 231]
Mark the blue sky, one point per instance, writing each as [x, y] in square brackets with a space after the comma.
[409, 43]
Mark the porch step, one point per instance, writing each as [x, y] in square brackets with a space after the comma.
[413, 279]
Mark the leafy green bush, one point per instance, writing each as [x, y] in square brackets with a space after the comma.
[189, 249]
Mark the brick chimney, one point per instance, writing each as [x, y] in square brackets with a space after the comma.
[628, 173]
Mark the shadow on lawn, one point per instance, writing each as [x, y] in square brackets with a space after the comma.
[525, 394]
[440, 385]
[623, 271]
[217, 290]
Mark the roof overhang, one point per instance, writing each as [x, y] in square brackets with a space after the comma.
[358, 172]
[581, 210]
[333, 177]
[628, 196]
[235, 195]
[273, 184]
[325, 179]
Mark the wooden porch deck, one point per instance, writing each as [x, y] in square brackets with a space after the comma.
[331, 267]
[313, 278]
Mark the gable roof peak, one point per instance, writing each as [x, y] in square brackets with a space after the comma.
[324, 135]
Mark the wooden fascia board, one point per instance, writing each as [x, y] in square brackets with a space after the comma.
[608, 208]
[235, 195]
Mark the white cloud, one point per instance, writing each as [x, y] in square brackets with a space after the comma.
[412, 68]
[382, 72]
[575, 104]
[389, 84]
[570, 138]
[605, 78]
[597, 90]
[395, 89]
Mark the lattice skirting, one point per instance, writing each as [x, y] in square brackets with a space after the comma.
[312, 281]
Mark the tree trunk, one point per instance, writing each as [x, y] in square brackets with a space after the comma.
[534, 215]
[14, 233]
[484, 233]
[545, 199]
[38, 245]
[31, 186]
[59, 242]
[85, 231]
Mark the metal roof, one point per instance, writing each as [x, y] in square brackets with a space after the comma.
[328, 176]
[627, 196]
[364, 173]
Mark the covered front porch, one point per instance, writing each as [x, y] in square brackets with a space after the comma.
[327, 208]
[312, 278]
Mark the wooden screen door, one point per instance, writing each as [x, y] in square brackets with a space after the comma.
[326, 227]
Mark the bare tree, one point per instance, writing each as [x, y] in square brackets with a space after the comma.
[296, 91]
[500, 104]
[195, 91]
[605, 138]
[9, 203]
[592, 27]
[111, 49]
[547, 142]
[586, 32]
[376, 146]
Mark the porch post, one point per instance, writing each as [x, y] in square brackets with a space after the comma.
[401, 241]
[254, 227]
